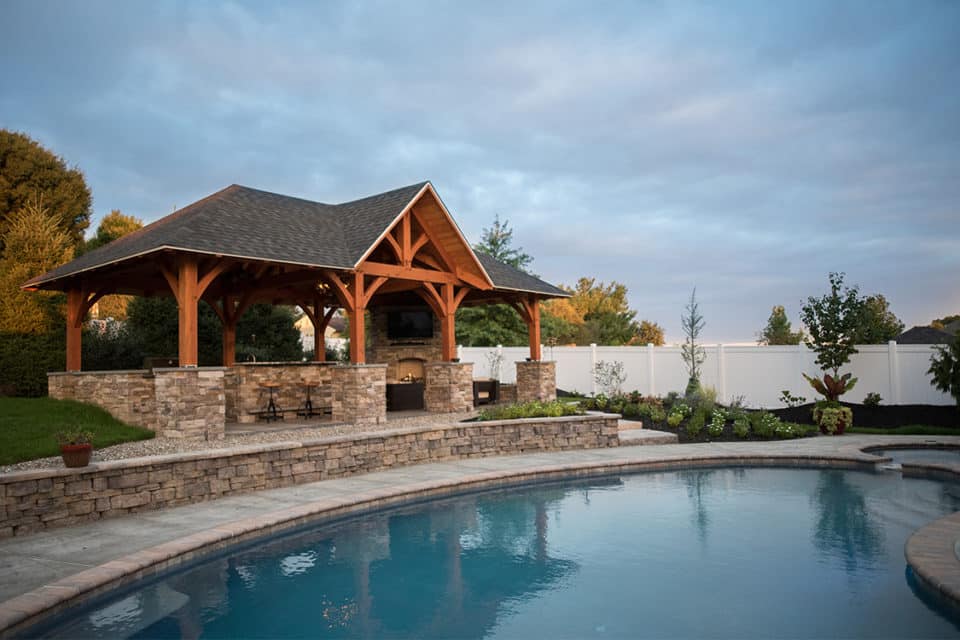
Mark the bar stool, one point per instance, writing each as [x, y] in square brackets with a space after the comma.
[272, 412]
[306, 409]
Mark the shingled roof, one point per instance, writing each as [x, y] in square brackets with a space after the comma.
[249, 223]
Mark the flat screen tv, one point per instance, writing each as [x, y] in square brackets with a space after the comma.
[409, 324]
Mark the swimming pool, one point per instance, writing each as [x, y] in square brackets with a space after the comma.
[728, 552]
[921, 455]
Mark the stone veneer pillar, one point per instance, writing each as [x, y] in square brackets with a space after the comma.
[536, 380]
[359, 393]
[191, 402]
[448, 387]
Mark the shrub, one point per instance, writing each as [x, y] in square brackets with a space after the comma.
[609, 376]
[704, 398]
[764, 423]
[791, 400]
[630, 410]
[873, 399]
[535, 409]
[695, 425]
[717, 419]
[945, 369]
[658, 415]
[741, 426]
[832, 419]
[678, 414]
[671, 398]
[25, 360]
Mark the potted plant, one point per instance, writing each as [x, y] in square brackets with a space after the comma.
[833, 322]
[76, 447]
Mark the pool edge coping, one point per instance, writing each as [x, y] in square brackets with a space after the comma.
[35, 606]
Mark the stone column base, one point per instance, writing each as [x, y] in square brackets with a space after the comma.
[359, 393]
[448, 387]
[190, 402]
[536, 381]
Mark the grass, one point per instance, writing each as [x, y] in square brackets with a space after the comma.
[908, 430]
[28, 427]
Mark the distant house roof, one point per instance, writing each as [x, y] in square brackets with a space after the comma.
[924, 335]
[242, 222]
[952, 327]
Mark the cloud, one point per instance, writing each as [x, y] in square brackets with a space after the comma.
[745, 151]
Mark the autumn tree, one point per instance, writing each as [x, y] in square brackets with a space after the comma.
[878, 324]
[29, 171]
[650, 333]
[114, 225]
[777, 331]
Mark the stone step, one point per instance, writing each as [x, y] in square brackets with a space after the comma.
[635, 437]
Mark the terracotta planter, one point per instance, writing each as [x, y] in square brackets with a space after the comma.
[76, 455]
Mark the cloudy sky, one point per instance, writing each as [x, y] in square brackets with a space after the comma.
[745, 148]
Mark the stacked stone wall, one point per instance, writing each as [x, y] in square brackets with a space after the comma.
[129, 396]
[449, 387]
[35, 500]
[251, 396]
[359, 393]
[536, 381]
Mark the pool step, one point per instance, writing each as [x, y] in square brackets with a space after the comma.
[633, 437]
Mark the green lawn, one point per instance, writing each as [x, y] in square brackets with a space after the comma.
[28, 425]
[908, 430]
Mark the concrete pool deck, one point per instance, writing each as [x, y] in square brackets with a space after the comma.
[49, 570]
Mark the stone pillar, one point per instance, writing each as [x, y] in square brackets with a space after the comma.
[191, 402]
[359, 393]
[448, 387]
[536, 380]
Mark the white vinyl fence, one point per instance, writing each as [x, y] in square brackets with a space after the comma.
[759, 374]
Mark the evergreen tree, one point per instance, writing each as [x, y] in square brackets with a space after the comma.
[692, 353]
[878, 324]
[777, 331]
[35, 243]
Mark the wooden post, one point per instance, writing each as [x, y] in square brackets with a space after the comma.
[74, 322]
[533, 327]
[358, 337]
[229, 342]
[187, 307]
[448, 333]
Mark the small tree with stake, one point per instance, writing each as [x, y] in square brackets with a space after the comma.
[833, 325]
[692, 353]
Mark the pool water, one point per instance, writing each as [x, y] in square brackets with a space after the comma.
[916, 455]
[721, 553]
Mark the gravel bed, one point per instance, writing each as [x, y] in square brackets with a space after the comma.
[266, 433]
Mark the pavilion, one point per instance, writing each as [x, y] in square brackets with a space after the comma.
[240, 246]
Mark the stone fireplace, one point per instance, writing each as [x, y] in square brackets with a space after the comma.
[404, 357]
[410, 369]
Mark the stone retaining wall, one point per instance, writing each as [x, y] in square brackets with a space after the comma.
[449, 387]
[178, 402]
[35, 500]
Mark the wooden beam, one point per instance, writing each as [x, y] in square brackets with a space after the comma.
[418, 244]
[450, 264]
[211, 275]
[406, 255]
[407, 273]
[340, 290]
[533, 327]
[397, 250]
[171, 279]
[371, 288]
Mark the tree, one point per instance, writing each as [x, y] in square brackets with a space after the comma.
[778, 331]
[692, 353]
[113, 226]
[878, 324]
[35, 243]
[945, 369]
[650, 333]
[607, 327]
[497, 242]
[499, 323]
[834, 323]
[940, 323]
[29, 171]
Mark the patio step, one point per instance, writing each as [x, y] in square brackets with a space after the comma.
[630, 437]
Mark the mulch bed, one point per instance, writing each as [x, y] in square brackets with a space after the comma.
[882, 416]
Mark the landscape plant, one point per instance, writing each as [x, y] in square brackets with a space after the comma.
[494, 363]
[696, 423]
[945, 369]
[873, 399]
[833, 420]
[741, 426]
[610, 377]
[692, 353]
[764, 423]
[534, 409]
[791, 400]
[717, 420]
